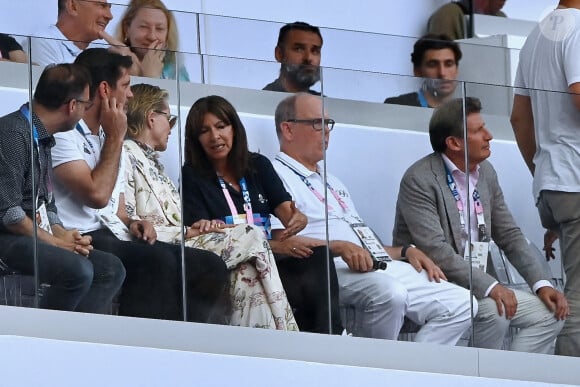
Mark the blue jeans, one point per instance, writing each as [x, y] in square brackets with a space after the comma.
[77, 283]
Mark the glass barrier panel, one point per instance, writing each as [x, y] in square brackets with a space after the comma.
[19, 279]
[149, 274]
[242, 73]
[263, 288]
[516, 233]
[391, 144]
[362, 157]
[346, 49]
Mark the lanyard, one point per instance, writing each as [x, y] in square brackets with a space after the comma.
[246, 196]
[483, 237]
[26, 113]
[80, 129]
[422, 99]
[318, 195]
[71, 52]
[82, 132]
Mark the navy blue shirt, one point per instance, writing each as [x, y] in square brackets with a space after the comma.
[203, 197]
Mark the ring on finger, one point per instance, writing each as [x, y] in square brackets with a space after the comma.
[294, 249]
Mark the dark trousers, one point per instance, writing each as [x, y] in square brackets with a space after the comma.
[307, 287]
[77, 283]
[153, 287]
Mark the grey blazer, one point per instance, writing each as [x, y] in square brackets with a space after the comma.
[427, 216]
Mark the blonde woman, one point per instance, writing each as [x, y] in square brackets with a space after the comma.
[148, 33]
[257, 295]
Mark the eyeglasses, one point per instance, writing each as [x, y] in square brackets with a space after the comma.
[316, 123]
[172, 119]
[87, 102]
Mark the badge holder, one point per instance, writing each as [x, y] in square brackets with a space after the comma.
[373, 244]
[479, 253]
[43, 215]
[261, 221]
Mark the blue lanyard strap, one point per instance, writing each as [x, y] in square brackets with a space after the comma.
[245, 194]
[80, 129]
[482, 230]
[48, 183]
[422, 99]
[26, 113]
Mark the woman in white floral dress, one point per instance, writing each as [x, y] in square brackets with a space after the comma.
[257, 295]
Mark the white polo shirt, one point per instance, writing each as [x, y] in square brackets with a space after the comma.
[73, 146]
[291, 172]
[51, 46]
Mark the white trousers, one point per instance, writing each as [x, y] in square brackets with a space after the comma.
[537, 326]
[382, 299]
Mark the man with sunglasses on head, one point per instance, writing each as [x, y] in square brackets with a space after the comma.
[81, 278]
[416, 289]
[90, 192]
[79, 23]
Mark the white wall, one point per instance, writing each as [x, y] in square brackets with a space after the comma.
[387, 31]
[404, 18]
[42, 362]
[529, 9]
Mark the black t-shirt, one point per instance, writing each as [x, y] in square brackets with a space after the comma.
[203, 198]
[7, 44]
[277, 86]
[410, 99]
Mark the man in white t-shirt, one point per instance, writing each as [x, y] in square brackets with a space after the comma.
[79, 23]
[381, 298]
[546, 123]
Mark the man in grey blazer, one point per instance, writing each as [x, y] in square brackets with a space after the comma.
[431, 213]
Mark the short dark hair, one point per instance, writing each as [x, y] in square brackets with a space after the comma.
[447, 120]
[103, 65]
[61, 6]
[433, 42]
[194, 153]
[298, 25]
[60, 83]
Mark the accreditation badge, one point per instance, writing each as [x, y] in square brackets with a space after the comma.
[479, 252]
[43, 218]
[261, 221]
[370, 241]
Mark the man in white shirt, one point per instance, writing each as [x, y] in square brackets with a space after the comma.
[381, 298]
[432, 213]
[79, 23]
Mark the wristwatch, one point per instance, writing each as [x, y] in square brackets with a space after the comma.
[405, 248]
